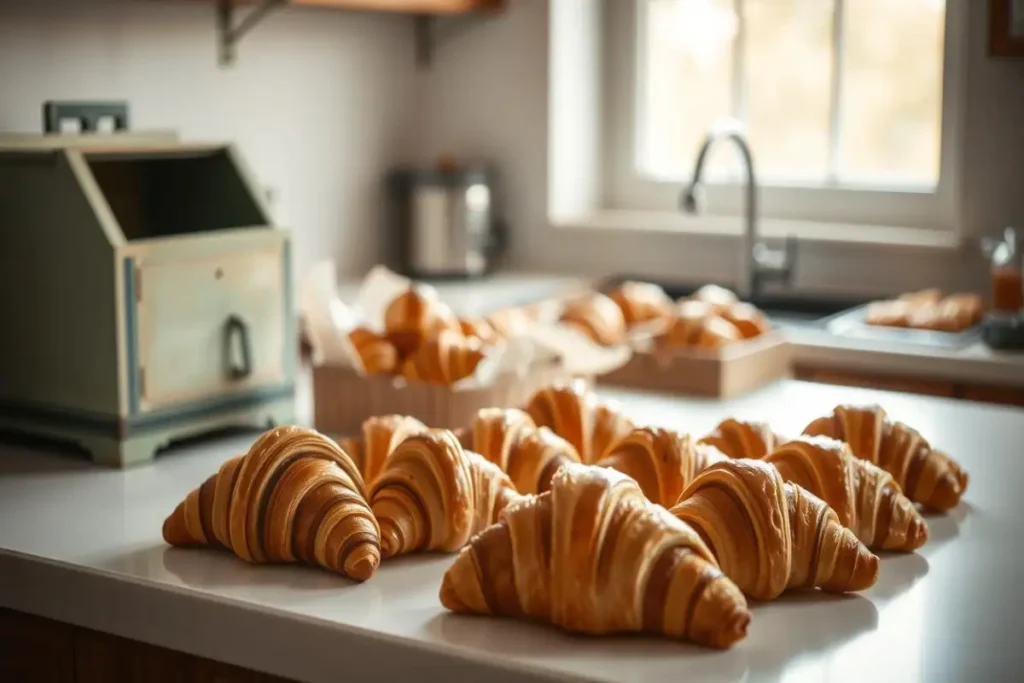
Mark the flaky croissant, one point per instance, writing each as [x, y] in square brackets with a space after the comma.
[597, 317]
[433, 495]
[530, 455]
[574, 413]
[696, 324]
[294, 497]
[742, 438]
[924, 474]
[377, 355]
[479, 328]
[864, 496]
[414, 316]
[379, 436]
[641, 302]
[593, 556]
[661, 461]
[444, 359]
[769, 535]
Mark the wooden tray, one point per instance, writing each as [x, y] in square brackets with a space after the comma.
[722, 373]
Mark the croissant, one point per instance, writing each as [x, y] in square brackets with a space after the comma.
[719, 298]
[294, 497]
[433, 495]
[414, 316]
[443, 359]
[769, 535]
[479, 328]
[750, 321]
[641, 302]
[376, 354]
[864, 496]
[597, 317]
[528, 454]
[925, 475]
[593, 556]
[574, 413]
[661, 461]
[380, 435]
[742, 439]
[695, 323]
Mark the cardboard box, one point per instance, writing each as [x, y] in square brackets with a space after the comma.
[721, 373]
[344, 399]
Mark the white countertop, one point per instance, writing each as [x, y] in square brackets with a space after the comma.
[82, 545]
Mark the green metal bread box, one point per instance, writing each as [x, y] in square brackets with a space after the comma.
[145, 293]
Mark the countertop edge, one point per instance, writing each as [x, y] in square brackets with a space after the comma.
[232, 632]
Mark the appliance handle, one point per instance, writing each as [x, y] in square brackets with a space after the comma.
[236, 327]
[88, 114]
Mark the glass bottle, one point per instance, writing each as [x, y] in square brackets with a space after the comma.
[1007, 284]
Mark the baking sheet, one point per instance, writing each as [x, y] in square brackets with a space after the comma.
[851, 324]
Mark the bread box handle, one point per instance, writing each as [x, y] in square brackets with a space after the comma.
[236, 327]
[88, 115]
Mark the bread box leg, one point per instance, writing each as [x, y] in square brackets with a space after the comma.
[125, 452]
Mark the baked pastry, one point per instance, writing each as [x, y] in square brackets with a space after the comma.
[528, 454]
[661, 461]
[889, 313]
[718, 297]
[593, 556]
[572, 412]
[295, 496]
[597, 317]
[925, 475]
[376, 354]
[379, 436]
[769, 535]
[479, 328]
[927, 310]
[864, 496]
[433, 495]
[509, 322]
[414, 316]
[742, 439]
[697, 324]
[641, 302]
[748, 319]
[444, 359]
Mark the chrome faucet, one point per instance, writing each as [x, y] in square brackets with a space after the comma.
[761, 262]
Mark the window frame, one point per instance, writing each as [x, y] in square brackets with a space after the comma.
[625, 187]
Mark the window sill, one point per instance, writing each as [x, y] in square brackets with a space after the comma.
[640, 222]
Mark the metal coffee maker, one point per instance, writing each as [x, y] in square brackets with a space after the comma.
[445, 222]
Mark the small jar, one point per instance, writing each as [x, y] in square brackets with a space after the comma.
[1007, 283]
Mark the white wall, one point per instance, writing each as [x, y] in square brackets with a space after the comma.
[489, 96]
[319, 100]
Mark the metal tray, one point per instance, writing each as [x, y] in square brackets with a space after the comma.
[850, 323]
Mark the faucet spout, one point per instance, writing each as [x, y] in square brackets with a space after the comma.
[760, 263]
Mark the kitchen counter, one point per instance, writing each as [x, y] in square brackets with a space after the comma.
[82, 545]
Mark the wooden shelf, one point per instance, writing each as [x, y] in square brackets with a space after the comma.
[235, 18]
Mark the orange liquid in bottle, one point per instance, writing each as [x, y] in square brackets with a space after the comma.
[1007, 293]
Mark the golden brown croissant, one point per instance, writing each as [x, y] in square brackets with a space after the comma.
[594, 557]
[530, 455]
[695, 323]
[433, 495]
[742, 438]
[414, 316]
[597, 317]
[479, 328]
[661, 461]
[574, 413]
[376, 354]
[294, 497]
[379, 436]
[641, 302]
[925, 475]
[748, 319]
[864, 496]
[443, 359]
[769, 535]
[719, 298]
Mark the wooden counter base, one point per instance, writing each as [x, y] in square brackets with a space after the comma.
[37, 650]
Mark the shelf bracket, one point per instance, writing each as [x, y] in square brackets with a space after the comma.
[230, 33]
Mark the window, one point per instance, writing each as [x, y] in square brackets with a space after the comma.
[850, 106]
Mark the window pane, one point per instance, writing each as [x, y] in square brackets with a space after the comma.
[686, 81]
[788, 75]
[891, 97]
